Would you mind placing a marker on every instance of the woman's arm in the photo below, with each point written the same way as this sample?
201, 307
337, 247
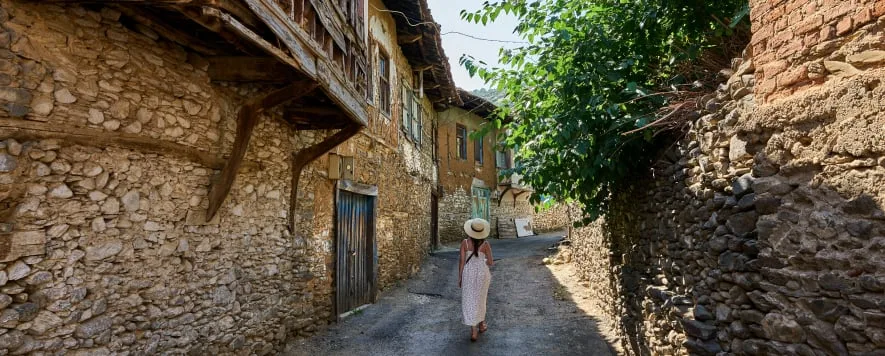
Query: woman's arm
489, 260
460, 263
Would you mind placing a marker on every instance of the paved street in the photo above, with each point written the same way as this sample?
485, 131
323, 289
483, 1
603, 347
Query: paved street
422, 316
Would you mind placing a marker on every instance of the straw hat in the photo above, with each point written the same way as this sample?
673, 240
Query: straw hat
477, 228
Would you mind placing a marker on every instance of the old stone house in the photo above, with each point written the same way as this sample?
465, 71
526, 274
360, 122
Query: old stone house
164, 178
470, 173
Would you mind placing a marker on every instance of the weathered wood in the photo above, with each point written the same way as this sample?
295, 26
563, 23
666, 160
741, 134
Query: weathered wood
237, 9
408, 38
247, 117
150, 2
303, 157
319, 110
237, 27
205, 16
170, 33
331, 23
249, 69
312, 58
31, 130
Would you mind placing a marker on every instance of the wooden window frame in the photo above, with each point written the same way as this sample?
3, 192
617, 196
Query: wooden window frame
461, 142
506, 159
385, 91
477, 151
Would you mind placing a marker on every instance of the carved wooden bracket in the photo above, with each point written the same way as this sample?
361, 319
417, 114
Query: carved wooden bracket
246, 120
303, 157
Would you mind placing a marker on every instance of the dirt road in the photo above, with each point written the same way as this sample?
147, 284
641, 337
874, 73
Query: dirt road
422, 316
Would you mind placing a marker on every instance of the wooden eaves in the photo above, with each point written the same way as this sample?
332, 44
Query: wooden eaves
248, 33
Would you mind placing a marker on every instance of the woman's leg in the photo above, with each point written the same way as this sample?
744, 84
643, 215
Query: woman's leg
482, 326
473, 334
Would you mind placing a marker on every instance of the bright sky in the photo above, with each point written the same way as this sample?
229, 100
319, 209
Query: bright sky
448, 14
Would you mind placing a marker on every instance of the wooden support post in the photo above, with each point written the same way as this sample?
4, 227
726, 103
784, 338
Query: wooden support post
501, 197
303, 157
517, 196
407, 38
246, 120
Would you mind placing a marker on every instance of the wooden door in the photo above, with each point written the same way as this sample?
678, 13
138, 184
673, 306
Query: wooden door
356, 251
434, 222
480, 203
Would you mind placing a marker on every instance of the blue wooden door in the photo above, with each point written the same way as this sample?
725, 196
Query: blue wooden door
480, 203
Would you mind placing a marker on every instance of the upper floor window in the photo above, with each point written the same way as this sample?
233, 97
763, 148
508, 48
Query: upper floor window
383, 82
477, 150
412, 123
461, 141
502, 159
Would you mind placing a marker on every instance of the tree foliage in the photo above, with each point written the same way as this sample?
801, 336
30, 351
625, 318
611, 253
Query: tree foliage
593, 72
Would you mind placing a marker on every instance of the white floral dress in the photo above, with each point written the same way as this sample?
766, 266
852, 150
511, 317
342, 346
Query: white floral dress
475, 281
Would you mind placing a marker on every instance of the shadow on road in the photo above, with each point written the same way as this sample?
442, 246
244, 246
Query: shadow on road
528, 314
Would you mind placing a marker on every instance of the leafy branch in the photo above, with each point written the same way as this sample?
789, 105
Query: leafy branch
598, 80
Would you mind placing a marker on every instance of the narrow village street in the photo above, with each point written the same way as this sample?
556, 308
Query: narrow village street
422, 316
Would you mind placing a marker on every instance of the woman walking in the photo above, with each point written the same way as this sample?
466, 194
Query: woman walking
474, 275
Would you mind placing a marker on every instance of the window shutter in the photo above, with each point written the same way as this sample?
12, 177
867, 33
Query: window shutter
370, 75
404, 101
416, 115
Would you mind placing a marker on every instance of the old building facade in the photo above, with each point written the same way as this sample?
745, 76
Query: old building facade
470, 169
164, 182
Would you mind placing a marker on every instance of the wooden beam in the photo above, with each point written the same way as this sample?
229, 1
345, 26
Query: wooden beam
315, 63
240, 29
246, 120
407, 38
501, 197
166, 31
303, 157
214, 24
517, 196
318, 110
149, 2
31, 130
420, 67
249, 69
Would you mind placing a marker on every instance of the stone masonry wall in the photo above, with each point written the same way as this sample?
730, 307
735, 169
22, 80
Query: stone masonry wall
505, 211
554, 218
110, 250
761, 232
454, 210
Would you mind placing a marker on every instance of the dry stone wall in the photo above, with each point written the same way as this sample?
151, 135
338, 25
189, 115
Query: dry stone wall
109, 250
555, 218
454, 210
760, 233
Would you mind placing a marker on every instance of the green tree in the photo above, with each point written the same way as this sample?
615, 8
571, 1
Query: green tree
584, 98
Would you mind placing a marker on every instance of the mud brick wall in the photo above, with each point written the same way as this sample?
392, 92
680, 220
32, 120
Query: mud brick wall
761, 231
109, 250
794, 41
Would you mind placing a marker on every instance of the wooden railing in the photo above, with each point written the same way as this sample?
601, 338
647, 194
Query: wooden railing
337, 28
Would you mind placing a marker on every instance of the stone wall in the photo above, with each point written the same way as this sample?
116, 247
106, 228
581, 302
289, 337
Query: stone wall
505, 210
555, 218
110, 250
454, 210
760, 232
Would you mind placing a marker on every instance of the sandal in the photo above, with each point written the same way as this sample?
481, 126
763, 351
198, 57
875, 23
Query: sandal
473, 335
483, 328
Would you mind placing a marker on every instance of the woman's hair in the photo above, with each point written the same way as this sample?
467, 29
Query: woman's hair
476, 244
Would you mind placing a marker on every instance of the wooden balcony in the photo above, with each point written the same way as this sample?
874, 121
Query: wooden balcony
308, 56
272, 41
